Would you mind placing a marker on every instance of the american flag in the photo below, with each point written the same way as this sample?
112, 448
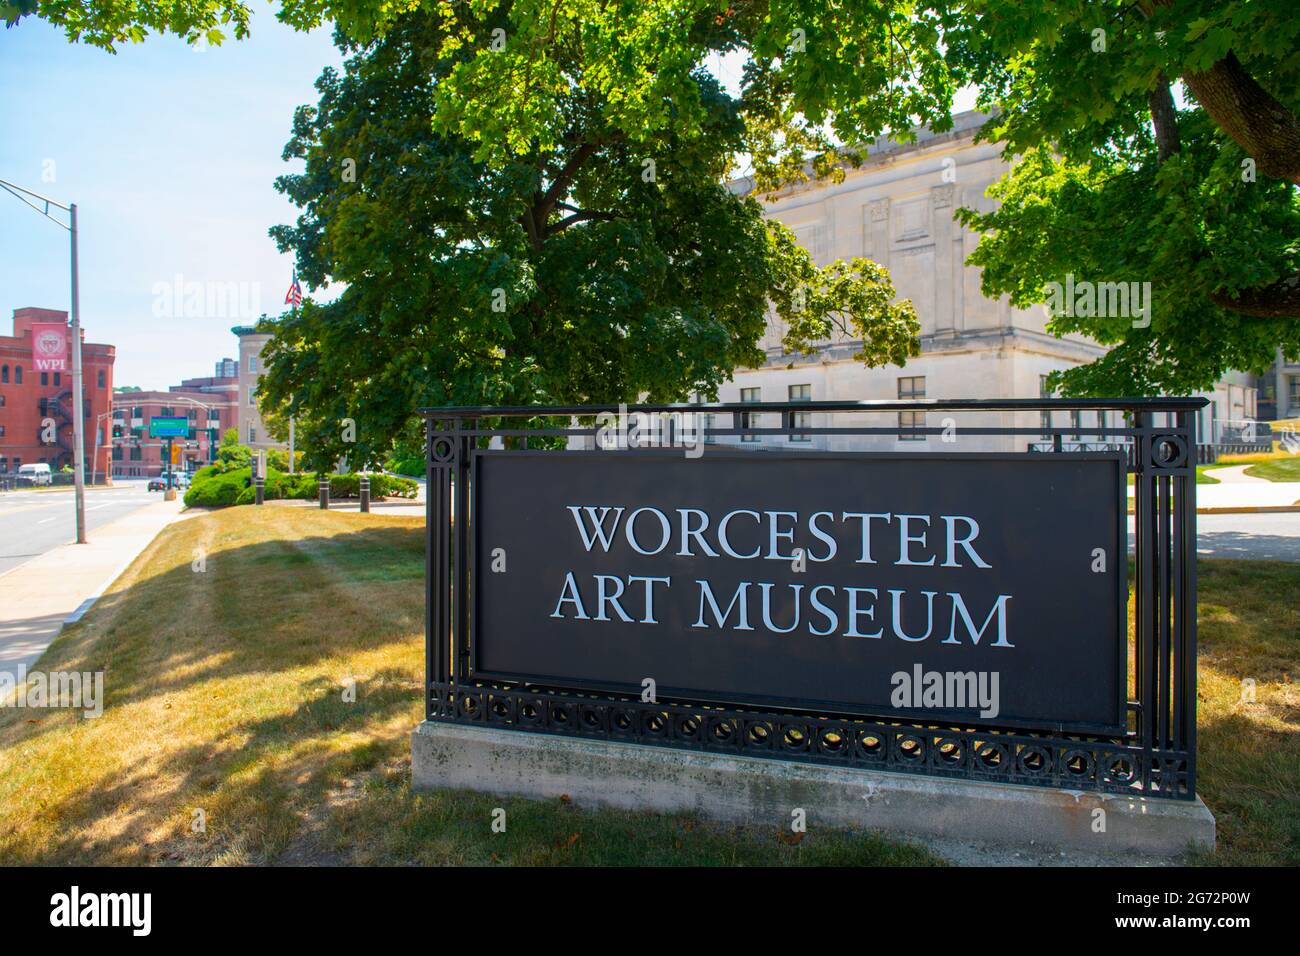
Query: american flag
294, 295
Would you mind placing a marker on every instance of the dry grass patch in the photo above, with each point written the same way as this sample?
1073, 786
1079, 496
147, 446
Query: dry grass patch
224, 693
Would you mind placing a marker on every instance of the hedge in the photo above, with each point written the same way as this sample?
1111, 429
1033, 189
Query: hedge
222, 489
407, 466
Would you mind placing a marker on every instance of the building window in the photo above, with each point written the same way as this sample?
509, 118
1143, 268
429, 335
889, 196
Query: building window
799, 420
4, 374
252, 433
1076, 424
2, 431
252, 395
252, 363
117, 452
749, 419
100, 378
1294, 391
45, 378
704, 423
135, 453
57, 379
18, 374
911, 386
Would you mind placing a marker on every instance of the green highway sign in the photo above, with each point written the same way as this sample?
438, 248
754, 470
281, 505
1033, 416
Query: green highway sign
170, 427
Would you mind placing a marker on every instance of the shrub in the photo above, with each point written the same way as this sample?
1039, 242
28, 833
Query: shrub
407, 466
391, 486
212, 488
217, 491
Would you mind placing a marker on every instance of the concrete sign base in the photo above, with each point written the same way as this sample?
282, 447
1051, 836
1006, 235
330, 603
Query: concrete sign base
751, 790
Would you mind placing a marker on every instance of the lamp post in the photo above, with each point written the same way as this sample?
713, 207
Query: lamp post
78, 413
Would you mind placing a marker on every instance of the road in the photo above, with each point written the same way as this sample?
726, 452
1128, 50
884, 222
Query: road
33, 522
1257, 536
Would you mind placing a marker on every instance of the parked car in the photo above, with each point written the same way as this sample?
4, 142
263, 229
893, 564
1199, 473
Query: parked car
157, 484
35, 474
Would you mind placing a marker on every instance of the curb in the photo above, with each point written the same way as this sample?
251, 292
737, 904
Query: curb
1244, 510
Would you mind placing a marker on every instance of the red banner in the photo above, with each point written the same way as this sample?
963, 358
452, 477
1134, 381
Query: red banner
50, 346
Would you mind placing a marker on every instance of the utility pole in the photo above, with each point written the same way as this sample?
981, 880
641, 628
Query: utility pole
79, 409
42, 205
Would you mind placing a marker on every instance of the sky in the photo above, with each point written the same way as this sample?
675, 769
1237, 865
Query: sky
170, 154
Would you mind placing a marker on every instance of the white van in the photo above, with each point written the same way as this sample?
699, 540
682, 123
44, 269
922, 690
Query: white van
38, 474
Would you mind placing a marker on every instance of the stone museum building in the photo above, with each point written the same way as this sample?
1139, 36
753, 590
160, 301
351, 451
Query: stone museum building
897, 209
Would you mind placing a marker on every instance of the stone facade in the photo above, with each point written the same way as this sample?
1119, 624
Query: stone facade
897, 209
252, 431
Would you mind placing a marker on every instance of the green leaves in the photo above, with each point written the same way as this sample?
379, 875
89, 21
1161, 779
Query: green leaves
613, 265
107, 23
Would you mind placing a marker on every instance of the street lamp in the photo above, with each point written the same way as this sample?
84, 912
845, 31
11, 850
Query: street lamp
78, 413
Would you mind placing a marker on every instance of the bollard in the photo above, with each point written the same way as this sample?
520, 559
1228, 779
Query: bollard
325, 492
259, 489
365, 493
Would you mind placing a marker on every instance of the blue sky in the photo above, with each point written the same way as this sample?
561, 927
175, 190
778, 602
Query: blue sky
170, 155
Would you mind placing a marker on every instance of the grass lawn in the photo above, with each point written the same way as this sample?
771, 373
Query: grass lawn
1278, 469
225, 694
1203, 476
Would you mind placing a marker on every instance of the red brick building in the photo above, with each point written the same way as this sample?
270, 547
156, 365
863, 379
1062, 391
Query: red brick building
28, 398
209, 403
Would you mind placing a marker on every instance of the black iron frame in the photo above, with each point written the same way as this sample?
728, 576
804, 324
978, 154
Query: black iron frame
1155, 756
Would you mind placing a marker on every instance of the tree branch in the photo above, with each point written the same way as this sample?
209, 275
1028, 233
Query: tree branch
583, 216
1253, 117
1281, 300
560, 185
1262, 126
1164, 118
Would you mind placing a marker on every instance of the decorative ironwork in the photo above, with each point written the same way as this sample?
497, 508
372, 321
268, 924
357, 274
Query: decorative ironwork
1155, 757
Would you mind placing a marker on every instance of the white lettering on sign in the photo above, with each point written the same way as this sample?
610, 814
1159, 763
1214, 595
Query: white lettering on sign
822, 610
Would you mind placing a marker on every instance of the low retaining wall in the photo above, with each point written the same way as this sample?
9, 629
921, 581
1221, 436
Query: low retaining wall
752, 790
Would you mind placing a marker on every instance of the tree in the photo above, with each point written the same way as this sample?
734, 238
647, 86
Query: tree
231, 454
1118, 183
598, 268
1091, 86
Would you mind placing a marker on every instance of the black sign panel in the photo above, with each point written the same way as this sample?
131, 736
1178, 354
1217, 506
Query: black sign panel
981, 588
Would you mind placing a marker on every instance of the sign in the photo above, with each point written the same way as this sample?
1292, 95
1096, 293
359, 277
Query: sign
853, 584
169, 427
50, 346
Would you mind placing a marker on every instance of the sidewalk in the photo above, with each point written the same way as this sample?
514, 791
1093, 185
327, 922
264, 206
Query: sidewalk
38, 597
1243, 494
